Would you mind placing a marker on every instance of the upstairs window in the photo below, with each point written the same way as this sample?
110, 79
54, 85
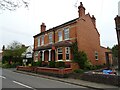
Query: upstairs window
38, 41
60, 36
42, 40
66, 33
50, 38
96, 55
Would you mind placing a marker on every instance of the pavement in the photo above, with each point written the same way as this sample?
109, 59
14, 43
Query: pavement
79, 82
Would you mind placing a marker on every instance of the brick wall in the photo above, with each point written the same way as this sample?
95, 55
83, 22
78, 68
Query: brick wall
49, 71
102, 78
103, 57
88, 38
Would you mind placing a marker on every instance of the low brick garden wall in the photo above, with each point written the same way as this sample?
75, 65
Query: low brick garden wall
102, 78
45, 70
25, 68
67, 72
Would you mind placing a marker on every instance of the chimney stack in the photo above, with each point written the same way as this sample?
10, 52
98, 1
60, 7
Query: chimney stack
94, 20
43, 27
81, 10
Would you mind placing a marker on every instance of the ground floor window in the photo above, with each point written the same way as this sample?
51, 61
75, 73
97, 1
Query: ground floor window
40, 55
67, 52
60, 54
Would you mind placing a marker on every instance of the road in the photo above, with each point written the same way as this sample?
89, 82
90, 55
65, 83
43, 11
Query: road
12, 79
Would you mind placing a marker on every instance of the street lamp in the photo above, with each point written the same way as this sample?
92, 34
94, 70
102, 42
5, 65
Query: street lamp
117, 22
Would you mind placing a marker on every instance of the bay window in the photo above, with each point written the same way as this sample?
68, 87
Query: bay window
60, 54
67, 52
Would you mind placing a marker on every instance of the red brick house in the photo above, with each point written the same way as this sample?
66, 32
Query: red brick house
55, 44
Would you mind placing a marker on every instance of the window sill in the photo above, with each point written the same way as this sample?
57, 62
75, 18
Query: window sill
50, 43
68, 60
59, 60
67, 39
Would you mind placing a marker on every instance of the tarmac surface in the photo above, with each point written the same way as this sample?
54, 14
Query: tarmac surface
79, 82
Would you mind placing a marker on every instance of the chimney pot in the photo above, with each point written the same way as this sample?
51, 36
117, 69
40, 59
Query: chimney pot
81, 3
94, 20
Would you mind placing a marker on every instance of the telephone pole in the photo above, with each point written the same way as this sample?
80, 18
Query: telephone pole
117, 22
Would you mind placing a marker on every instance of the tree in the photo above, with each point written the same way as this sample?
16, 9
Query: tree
115, 51
79, 57
13, 52
14, 45
13, 4
115, 54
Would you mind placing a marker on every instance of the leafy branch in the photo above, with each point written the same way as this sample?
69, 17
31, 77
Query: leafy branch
12, 5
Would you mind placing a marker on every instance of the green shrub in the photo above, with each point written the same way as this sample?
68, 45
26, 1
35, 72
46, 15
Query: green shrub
6, 65
79, 71
98, 66
33, 63
39, 63
13, 65
45, 64
60, 64
94, 67
90, 67
79, 57
88, 63
52, 64
67, 65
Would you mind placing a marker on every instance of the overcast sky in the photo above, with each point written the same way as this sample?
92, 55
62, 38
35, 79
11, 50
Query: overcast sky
21, 25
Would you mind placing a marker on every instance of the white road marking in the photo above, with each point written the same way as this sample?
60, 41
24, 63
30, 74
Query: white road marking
23, 85
3, 77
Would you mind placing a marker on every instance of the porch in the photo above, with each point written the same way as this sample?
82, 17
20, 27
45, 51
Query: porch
59, 51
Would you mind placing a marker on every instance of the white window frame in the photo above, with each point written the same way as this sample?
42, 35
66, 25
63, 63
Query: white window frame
66, 33
60, 53
67, 53
59, 35
38, 41
42, 40
50, 38
96, 55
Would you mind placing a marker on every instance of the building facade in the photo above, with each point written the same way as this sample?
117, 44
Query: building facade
55, 44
